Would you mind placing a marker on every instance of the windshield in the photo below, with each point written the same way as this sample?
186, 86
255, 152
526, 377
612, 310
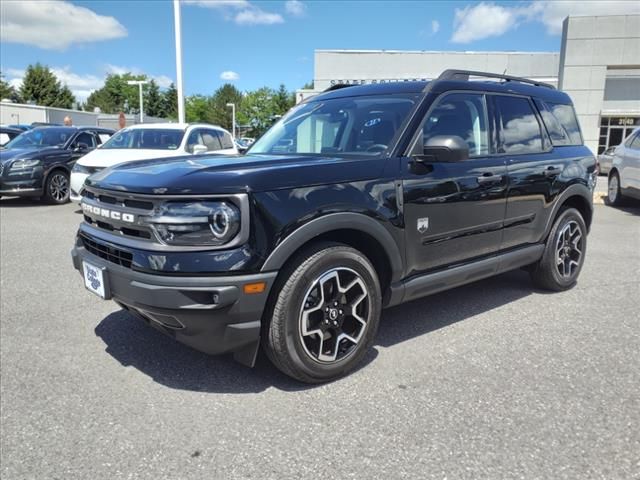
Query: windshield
40, 138
151, 138
354, 125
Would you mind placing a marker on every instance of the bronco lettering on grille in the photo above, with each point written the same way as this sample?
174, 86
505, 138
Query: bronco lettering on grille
113, 214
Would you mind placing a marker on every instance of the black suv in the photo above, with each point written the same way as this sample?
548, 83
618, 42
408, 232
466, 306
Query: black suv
38, 162
358, 199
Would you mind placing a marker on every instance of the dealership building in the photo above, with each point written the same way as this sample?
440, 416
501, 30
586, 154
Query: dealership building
598, 65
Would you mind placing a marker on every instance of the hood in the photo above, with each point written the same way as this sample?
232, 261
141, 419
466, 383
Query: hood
18, 153
210, 174
112, 156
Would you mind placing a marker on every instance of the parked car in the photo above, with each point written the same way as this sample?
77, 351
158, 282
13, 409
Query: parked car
38, 162
152, 140
624, 176
21, 126
605, 160
7, 134
358, 199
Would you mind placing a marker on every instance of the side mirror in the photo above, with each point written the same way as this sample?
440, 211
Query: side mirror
443, 148
81, 147
199, 149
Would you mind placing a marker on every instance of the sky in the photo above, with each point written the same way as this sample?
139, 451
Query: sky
261, 43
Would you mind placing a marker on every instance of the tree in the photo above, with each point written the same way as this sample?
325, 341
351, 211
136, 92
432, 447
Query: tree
169, 103
153, 100
308, 86
220, 113
116, 95
197, 109
7, 91
41, 86
258, 110
283, 100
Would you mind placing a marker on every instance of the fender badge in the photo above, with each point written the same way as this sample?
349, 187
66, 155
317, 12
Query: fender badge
423, 224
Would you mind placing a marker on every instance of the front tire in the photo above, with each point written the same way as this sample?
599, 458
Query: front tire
564, 253
614, 192
56, 188
324, 317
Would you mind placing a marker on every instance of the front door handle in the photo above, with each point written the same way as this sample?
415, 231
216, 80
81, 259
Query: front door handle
489, 178
551, 171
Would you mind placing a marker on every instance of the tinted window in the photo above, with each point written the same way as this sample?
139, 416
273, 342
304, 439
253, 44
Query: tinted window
557, 133
462, 115
86, 138
225, 139
151, 138
520, 130
341, 126
211, 140
567, 118
42, 137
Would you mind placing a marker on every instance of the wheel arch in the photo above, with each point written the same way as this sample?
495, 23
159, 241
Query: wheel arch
576, 196
356, 230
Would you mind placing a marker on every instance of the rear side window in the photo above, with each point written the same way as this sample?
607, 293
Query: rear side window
567, 118
635, 143
225, 139
211, 140
557, 133
519, 126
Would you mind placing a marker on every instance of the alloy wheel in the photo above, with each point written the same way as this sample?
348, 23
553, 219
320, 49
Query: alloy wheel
569, 247
613, 188
59, 187
334, 315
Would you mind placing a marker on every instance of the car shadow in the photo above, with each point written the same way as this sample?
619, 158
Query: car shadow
21, 202
631, 206
133, 344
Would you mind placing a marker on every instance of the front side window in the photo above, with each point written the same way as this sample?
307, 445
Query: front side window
225, 139
635, 143
461, 115
145, 138
363, 126
519, 126
211, 140
86, 138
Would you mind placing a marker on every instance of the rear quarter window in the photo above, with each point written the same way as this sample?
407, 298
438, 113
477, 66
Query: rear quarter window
566, 116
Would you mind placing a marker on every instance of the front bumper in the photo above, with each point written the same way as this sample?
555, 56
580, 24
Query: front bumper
24, 184
210, 314
77, 182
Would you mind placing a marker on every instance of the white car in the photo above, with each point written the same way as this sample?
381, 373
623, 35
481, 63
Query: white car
624, 177
146, 141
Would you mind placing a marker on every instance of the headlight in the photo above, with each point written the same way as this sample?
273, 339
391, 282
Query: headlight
202, 223
24, 164
77, 168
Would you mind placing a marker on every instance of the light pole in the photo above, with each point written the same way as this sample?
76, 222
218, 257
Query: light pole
178, 31
140, 83
233, 119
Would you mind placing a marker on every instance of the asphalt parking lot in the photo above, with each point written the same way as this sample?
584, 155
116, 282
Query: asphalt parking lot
491, 380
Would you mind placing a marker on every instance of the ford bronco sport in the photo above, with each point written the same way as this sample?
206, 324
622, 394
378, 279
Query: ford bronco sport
358, 199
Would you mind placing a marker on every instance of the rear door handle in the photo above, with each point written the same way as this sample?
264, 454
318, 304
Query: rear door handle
551, 171
489, 178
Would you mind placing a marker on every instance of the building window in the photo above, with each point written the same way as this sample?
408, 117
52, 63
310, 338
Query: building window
613, 131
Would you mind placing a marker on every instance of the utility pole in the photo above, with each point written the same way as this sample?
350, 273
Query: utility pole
179, 86
233, 119
140, 83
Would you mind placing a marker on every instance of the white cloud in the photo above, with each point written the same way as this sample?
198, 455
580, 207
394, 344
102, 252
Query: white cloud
55, 24
229, 76
487, 19
241, 12
295, 8
162, 80
435, 26
482, 21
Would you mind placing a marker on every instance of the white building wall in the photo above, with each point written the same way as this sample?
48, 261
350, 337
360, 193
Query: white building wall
592, 46
13, 113
369, 66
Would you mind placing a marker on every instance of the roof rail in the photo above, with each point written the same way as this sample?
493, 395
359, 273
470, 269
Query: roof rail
464, 75
337, 86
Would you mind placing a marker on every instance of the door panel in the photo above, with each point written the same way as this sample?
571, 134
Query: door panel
452, 214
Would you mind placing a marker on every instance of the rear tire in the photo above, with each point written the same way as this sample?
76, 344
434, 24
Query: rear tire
614, 192
564, 253
56, 188
324, 315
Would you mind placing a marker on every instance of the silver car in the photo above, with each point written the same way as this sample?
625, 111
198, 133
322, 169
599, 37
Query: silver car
605, 160
624, 176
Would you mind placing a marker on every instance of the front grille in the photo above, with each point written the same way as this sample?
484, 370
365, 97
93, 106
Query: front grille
1, 168
110, 254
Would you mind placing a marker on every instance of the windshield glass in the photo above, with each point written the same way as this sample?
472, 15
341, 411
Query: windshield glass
354, 125
40, 138
151, 138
